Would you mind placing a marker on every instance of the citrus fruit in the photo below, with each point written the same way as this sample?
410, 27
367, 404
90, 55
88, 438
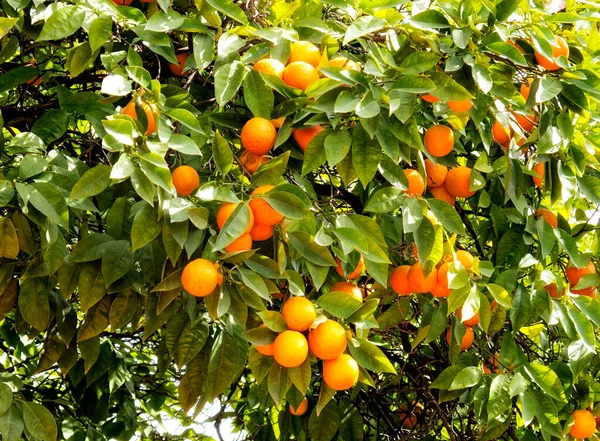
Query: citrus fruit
328, 340
442, 194
199, 277
553, 290
417, 280
129, 110
408, 418
442, 274
440, 291
354, 274
290, 349
501, 134
300, 75
548, 215
561, 47
399, 280
306, 52
584, 424
261, 232
465, 258
436, 173
540, 169
242, 243
185, 180
525, 89
349, 288
299, 313
301, 409
462, 106
467, 339
344, 63
473, 321
574, 274
258, 136
439, 140
225, 211
430, 98
263, 213
340, 373
278, 122
458, 182
122, 2
177, 69
304, 136
416, 184
251, 162
265, 349
526, 122
269, 66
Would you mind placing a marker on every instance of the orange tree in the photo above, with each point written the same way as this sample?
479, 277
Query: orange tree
344, 220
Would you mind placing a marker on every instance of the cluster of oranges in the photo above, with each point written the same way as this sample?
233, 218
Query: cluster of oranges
447, 185
575, 274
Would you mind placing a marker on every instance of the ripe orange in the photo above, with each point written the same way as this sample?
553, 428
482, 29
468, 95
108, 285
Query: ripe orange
262, 232
328, 340
251, 162
442, 275
340, 373
299, 313
430, 98
436, 173
473, 321
540, 169
525, 89
501, 134
278, 122
265, 349
439, 140
129, 110
440, 291
304, 136
399, 280
185, 180
553, 290
263, 213
458, 182
122, 2
417, 280
416, 184
302, 408
269, 66
548, 215
177, 69
410, 421
300, 75
349, 288
199, 277
584, 424
526, 122
460, 106
344, 63
442, 194
306, 52
574, 274
560, 48
354, 274
225, 211
258, 136
242, 243
467, 340
290, 349
465, 258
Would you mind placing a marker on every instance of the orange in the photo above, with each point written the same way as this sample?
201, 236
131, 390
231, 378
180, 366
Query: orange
340, 373
269, 66
258, 136
302, 408
300, 75
409, 421
442, 194
553, 290
290, 349
584, 424
501, 134
306, 52
416, 184
560, 48
129, 110
242, 243
417, 280
251, 162
185, 180
574, 274
465, 258
354, 274
277, 123
540, 169
225, 211
344, 63
399, 280
261, 232
349, 288
299, 313
440, 291
467, 340
525, 89
265, 349
439, 140
122, 2
430, 98
35, 81
199, 277
548, 215
304, 136
177, 69
436, 173
526, 122
263, 213
442, 275
328, 340
473, 321
458, 182
460, 106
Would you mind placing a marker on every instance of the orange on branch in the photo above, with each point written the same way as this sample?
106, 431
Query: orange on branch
199, 277
260, 232
430, 98
584, 424
525, 89
552, 290
467, 340
269, 66
185, 180
416, 184
472, 321
420, 283
251, 162
462, 106
344, 63
328, 340
349, 288
258, 136
242, 243
442, 194
306, 52
263, 213
540, 169
458, 182
304, 136
465, 258
290, 349
440, 291
526, 122
354, 274
225, 211
129, 110
399, 280
340, 373
548, 215
177, 69
439, 140
409, 421
301, 409
299, 313
300, 75
436, 173
265, 349
501, 134
561, 47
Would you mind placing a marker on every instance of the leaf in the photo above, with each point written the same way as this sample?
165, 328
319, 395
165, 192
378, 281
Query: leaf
568, 244
590, 186
122, 309
254, 282
385, 200
234, 227
226, 358
116, 261
91, 286
145, 228
100, 31
11, 424
9, 241
366, 154
6, 397
191, 341
547, 380
228, 79
156, 169
419, 62
203, 50
258, 96
590, 307
305, 244
430, 19
447, 89
509, 51
39, 422
447, 216
339, 304
33, 303
230, 9
62, 23
370, 356
499, 401
362, 26
414, 84
6, 24
93, 182
287, 204
337, 145
96, 320
323, 426
457, 377
300, 376
222, 154
48, 199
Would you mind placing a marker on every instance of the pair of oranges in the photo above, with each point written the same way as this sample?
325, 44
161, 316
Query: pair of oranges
447, 185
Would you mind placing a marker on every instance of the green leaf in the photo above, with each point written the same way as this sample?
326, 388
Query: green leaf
48, 199
63, 22
91, 286
230, 9
203, 50
568, 244
39, 422
414, 84
225, 363
11, 424
6, 397
100, 31
92, 182
122, 309
191, 341
287, 204
370, 356
186, 118
79, 58
447, 216
339, 304
547, 380
254, 282
509, 51
222, 153
9, 241
228, 79
385, 200
258, 96
51, 125
337, 145
32, 165
499, 401
457, 377
314, 156
447, 89
362, 26
590, 187
34, 303
419, 62
145, 228
6, 24
234, 227
273, 320
116, 261
430, 19
590, 307
366, 154
584, 328
156, 170
96, 320
301, 376
305, 244
323, 426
